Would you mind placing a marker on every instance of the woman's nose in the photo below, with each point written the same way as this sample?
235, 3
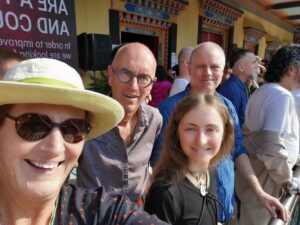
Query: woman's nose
53, 143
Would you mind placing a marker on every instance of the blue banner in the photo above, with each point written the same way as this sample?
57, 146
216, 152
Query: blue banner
217, 17
146, 11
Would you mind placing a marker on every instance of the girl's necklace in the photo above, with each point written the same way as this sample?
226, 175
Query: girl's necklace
203, 181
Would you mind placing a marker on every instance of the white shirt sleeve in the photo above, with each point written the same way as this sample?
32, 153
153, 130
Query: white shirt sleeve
276, 111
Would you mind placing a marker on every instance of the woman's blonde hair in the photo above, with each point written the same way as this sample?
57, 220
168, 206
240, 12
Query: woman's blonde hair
173, 163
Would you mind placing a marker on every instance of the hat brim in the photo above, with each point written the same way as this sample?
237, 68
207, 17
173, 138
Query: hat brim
105, 112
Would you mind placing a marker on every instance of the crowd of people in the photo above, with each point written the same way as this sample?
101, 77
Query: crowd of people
214, 151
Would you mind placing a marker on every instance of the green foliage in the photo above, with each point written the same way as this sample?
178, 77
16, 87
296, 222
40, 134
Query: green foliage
100, 83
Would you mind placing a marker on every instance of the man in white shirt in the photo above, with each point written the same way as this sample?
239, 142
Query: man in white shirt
296, 95
271, 133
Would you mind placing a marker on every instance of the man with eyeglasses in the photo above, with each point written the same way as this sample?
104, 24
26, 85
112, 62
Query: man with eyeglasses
119, 159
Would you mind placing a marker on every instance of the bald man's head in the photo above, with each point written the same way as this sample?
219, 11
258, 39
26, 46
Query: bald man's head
209, 46
134, 49
185, 54
133, 65
183, 62
206, 67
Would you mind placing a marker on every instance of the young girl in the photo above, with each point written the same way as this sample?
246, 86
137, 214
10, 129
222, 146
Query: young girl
200, 132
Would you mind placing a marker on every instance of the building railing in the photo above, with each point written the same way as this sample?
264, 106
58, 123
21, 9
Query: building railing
291, 203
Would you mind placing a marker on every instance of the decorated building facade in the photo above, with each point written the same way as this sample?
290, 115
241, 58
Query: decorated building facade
166, 26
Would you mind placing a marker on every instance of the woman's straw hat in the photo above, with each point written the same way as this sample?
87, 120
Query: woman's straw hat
50, 81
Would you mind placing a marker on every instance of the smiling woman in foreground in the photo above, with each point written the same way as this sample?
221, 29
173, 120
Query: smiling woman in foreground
45, 117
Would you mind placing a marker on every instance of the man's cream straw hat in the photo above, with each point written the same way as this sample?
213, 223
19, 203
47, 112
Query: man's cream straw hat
50, 81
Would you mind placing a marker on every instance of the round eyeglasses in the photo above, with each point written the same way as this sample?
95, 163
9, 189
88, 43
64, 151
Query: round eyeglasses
125, 76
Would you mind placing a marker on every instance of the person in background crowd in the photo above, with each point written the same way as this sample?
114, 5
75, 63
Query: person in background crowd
183, 77
296, 95
45, 117
271, 133
253, 84
226, 74
265, 63
8, 60
262, 70
119, 159
175, 70
199, 133
161, 87
244, 67
172, 73
261, 66
206, 70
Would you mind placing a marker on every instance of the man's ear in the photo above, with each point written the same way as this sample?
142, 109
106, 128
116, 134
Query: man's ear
291, 72
186, 63
241, 66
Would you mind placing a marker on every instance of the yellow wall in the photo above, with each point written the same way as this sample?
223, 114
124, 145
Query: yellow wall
187, 25
238, 36
92, 16
270, 28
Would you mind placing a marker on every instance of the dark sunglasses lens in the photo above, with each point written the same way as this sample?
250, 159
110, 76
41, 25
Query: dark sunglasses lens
75, 130
33, 127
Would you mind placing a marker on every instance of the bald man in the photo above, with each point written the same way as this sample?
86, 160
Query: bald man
183, 77
119, 159
206, 67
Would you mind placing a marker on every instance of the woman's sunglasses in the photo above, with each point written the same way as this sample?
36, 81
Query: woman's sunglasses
34, 127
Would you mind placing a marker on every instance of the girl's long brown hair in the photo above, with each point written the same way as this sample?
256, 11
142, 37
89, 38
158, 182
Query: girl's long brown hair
173, 163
